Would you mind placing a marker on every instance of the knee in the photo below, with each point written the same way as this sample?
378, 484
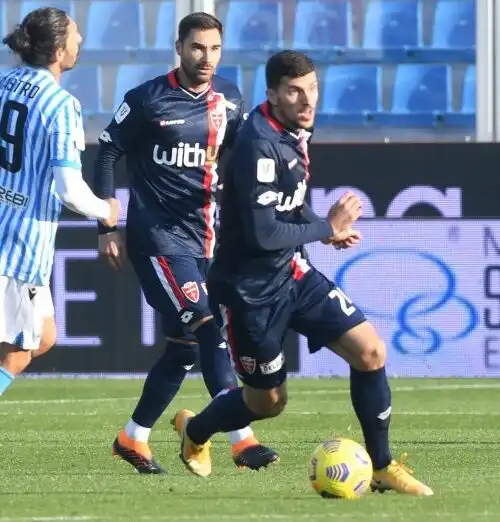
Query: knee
182, 353
48, 340
372, 355
266, 403
13, 359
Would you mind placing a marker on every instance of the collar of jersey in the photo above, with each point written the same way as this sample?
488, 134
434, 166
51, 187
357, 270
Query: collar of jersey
279, 127
174, 82
40, 70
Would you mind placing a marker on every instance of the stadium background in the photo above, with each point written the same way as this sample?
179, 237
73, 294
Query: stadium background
397, 121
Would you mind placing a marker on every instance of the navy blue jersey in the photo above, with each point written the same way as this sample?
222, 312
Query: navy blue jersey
264, 220
172, 139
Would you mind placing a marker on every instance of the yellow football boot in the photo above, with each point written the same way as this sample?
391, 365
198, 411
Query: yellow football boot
196, 457
398, 477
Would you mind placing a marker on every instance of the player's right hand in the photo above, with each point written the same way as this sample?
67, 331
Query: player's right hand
343, 214
114, 214
353, 239
111, 246
346, 239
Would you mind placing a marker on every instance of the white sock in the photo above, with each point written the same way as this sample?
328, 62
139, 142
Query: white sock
239, 435
136, 432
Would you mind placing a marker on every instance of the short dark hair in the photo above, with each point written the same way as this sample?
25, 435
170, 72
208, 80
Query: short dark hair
37, 38
198, 21
292, 64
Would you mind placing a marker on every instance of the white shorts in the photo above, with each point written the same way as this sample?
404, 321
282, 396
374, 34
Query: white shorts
23, 308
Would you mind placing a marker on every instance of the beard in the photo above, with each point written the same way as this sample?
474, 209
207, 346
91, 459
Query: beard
195, 76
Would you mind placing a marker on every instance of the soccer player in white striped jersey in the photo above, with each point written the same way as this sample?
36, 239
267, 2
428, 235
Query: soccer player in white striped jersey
41, 138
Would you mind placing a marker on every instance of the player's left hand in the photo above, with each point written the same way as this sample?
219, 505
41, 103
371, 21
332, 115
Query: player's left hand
111, 246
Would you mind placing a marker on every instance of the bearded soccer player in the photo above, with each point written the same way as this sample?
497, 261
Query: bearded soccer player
262, 279
172, 130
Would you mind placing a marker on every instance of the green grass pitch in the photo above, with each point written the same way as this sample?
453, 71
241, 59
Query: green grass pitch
56, 465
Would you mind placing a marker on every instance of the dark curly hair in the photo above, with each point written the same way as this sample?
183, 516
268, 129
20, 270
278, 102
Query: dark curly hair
292, 64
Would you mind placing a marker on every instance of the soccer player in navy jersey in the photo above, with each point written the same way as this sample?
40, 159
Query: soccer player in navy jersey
263, 281
172, 130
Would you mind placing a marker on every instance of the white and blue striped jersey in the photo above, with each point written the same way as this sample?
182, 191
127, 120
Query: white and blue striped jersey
40, 128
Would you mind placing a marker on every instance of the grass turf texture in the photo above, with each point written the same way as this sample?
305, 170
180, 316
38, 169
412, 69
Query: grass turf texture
56, 435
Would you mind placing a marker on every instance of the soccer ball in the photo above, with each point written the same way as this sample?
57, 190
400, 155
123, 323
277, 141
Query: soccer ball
340, 468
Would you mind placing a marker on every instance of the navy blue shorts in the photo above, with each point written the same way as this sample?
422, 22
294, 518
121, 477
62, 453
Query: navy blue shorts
175, 287
315, 308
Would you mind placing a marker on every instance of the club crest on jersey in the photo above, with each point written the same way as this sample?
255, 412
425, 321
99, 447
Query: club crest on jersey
249, 364
217, 118
191, 291
217, 115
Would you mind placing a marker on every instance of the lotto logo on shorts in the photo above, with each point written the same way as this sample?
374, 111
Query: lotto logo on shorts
191, 291
187, 316
273, 366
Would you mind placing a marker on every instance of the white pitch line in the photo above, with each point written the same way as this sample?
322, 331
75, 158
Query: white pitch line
148, 518
64, 413
52, 519
287, 412
242, 517
67, 401
336, 391
414, 413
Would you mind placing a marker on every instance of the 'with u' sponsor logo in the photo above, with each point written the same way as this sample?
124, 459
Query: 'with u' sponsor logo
186, 155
